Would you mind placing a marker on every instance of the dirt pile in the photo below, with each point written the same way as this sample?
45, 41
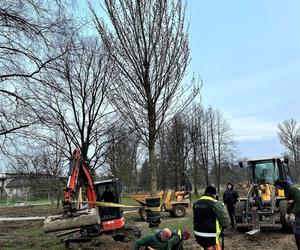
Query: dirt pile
105, 242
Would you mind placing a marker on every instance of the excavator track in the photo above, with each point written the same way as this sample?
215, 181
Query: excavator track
126, 234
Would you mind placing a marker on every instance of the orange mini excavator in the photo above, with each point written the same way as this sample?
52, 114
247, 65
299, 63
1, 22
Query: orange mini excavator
94, 218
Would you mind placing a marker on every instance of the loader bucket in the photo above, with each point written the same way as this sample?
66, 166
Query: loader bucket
82, 218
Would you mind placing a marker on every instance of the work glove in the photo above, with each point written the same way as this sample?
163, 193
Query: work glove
186, 235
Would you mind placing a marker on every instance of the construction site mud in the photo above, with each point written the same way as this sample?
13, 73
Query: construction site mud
30, 235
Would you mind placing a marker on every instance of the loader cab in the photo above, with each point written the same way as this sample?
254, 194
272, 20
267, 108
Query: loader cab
108, 191
266, 171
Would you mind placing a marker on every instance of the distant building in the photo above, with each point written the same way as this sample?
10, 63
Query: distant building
29, 186
5, 178
3, 182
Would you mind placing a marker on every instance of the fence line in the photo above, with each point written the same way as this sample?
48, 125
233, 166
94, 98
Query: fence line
29, 197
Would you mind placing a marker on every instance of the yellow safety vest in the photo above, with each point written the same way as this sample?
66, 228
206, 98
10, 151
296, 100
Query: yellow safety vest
218, 228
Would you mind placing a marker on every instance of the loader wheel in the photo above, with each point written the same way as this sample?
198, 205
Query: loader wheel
179, 211
287, 226
240, 207
142, 213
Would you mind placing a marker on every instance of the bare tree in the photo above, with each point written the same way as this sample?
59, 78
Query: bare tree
28, 31
204, 134
73, 98
122, 156
194, 135
213, 148
221, 143
36, 150
41, 163
149, 45
163, 164
177, 150
144, 181
289, 134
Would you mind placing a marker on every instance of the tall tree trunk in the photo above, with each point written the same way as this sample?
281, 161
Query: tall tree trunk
152, 166
152, 139
195, 172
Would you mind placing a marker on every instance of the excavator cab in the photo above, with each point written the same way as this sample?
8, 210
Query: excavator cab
264, 204
109, 191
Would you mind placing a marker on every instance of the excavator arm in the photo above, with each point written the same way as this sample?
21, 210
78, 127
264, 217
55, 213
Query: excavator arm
85, 223
78, 175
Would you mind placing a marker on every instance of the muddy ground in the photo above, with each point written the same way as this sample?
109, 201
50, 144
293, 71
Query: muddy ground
30, 235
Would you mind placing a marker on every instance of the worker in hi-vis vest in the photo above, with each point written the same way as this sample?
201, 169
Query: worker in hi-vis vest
210, 217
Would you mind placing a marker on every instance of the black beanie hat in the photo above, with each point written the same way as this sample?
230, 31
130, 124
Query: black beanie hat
210, 190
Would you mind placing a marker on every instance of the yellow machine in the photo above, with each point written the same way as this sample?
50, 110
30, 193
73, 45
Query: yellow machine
264, 205
175, 204
177, 207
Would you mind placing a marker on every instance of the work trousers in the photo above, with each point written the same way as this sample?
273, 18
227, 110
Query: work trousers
231, 212
208, 243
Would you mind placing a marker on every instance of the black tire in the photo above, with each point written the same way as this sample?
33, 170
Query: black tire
179, 211
153, 215
287, 226
153, 218
240, 208
142, 213
171, 213
152, 202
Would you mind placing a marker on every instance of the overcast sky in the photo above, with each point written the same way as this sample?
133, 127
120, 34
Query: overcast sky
248, 54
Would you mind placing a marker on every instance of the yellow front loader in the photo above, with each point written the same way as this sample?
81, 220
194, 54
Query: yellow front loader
264, 206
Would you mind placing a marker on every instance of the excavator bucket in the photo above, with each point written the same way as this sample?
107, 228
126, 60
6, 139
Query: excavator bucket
86, 217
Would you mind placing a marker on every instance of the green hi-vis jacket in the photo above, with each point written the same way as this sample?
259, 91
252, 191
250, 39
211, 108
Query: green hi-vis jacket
210, 217
293, 193
153, 240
